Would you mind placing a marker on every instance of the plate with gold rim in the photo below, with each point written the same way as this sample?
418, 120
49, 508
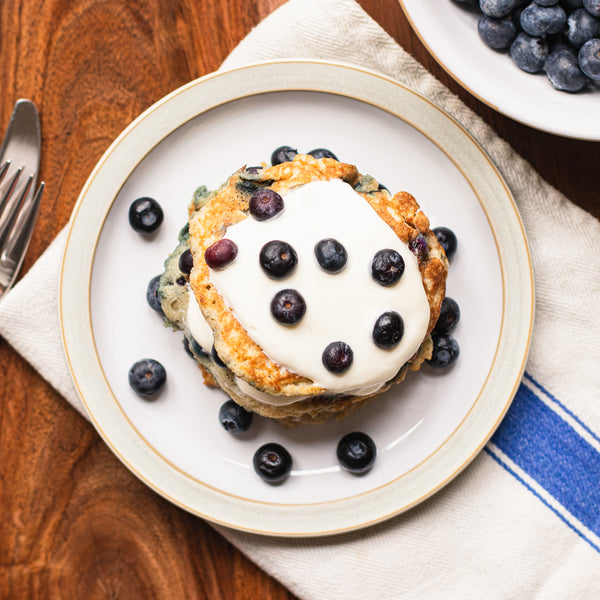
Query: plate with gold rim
427, 429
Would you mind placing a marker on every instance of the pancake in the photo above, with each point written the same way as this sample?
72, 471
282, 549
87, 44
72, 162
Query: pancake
275, 368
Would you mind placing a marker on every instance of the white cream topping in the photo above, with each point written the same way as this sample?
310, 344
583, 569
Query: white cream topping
197, 324
267, 398
285, 400
340, 307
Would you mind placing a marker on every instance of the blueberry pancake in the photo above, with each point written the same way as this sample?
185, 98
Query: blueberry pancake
305, 289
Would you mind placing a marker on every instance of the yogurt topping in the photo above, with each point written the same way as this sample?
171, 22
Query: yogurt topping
340, 307
197, 324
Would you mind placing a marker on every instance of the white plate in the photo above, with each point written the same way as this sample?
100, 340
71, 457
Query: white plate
426, 430
450, 34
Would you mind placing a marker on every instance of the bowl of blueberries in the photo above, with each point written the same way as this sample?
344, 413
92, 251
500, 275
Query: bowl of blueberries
536, 61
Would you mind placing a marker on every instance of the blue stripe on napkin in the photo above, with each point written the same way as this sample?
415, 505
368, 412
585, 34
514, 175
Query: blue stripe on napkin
552, 453
539, 497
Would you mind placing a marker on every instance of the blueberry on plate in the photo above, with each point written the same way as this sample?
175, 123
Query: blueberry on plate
322, 153
387, 267
445, 350
388, 330
581, 27
221, 253
288, 307
283, 154
589, 59
563, 71
145, 215
147, 377
529, 53
272, 462
235, 418
265, 204
356, 452
152, 296
331, 255
186, 261
496, 33
449, 316
337, 357
447, 239
278, 259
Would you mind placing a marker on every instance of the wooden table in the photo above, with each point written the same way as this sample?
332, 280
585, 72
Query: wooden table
75, 523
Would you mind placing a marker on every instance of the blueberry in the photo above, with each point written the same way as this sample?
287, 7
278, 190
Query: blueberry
539, 21
471, 4
272, 462
589, 59
186, 261
322, 153
147, 377
515, 15
388, 330
447, 239
496, 8
546, 2
283, 154
562, 69
356, 452
217, 359
592, 6
221, 253
265, 204
288, 307
278, 259
145, 215
581, 27
193, 348
331, 255
235, 418
152, 296
529, 53
419, 247
449, 316
181, 281
445, 350
387, 267
337, 357
497, 33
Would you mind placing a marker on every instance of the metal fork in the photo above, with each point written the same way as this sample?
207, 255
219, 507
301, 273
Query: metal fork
19, 200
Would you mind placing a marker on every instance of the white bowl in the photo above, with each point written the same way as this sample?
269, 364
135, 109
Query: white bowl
450, 34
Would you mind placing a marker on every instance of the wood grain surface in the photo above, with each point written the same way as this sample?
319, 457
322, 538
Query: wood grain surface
75, 523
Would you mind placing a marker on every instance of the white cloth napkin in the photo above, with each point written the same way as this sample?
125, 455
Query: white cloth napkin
523, 520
